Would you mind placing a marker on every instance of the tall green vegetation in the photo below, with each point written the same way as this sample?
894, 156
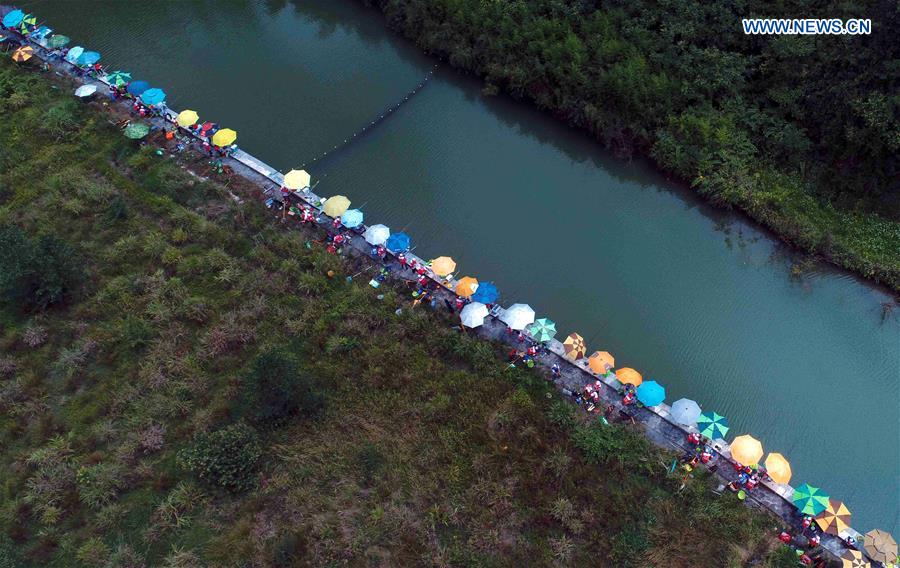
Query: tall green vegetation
36, 273
801, 132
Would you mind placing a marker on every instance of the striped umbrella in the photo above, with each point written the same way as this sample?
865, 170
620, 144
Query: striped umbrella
881, 546
651, 393
574, 346
601, 361
118, 78
23, 54
854, 559
58, 40
810, 500
542, 330
628, 376
835, 518
29, 21
712, 425
466, 286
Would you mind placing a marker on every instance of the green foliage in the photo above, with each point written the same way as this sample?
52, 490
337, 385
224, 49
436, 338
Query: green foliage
36, 274
370, 460
605, 444
227, 458
277, 388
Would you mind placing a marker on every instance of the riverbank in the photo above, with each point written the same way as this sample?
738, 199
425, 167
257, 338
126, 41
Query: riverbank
839, 204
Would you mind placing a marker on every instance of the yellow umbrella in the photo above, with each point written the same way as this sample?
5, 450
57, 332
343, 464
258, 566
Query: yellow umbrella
187, 118
854, 559
574, 346
224, 137
881, 546
746, 450
443, 265
335, 206
778, 467
628, 376
296, 179
835, 518
466, 286
23, 54
601, 361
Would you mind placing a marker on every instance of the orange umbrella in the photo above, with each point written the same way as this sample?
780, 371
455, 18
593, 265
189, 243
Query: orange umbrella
574, 346
23, 54
835, 518
628, 376
466, 286
601, 362
443, 265
746, 450
778, 467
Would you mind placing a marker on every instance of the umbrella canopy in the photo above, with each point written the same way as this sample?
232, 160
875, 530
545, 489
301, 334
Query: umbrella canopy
472, 315
153, 96
137, 88
187, 118
443, 265
58, 40
74, 53
685, 411
136, 131
854, 559
779, 468
712, 425
296, 179
486, 293
118, 78
377, 235
40, 33
398, 242
809, 500
835, 518
466, 286
601, 362
352, 218
85, 90
88, 58
518, 316
542, 330
746, 450
574, 346
651, 393
881, 546
226, 137
23, 54
13, 19
28, 22
334, 206
628, 376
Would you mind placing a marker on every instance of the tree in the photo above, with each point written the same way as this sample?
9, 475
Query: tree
227, 458
36, 274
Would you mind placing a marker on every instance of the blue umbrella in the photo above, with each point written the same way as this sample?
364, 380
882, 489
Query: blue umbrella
398, 242
651, 393
74, 53
41, 33
88, 58
153, 96
486, 293
352, 218
136, 88
13, 19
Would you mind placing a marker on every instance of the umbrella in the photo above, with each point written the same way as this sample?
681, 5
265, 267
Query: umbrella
486, 293
74, 53
23, 54
747, 450
28, 22
443, 265
187, 118
13, 19
88, 58
85, 91
296, 179
118, 78
542, 330
153, 96
398, 242
334, 206
574, 346
40, 33
881, 546
472, 315
466, 286
628, 376
779, 468
651, 393
517, 316
137, 88
352, 218
712, 425
853, 559
601, 362
136, 131
226, 137
376, 235
808, 499
685, 411
835, 518
58, 40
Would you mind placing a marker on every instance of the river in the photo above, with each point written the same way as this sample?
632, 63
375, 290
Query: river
697, 298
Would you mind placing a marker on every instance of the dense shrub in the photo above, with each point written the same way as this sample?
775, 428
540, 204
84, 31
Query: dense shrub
226, 458
276, 388
35, 274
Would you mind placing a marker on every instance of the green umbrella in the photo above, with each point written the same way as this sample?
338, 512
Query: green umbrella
58, 40
712, 425
542, 330
136, 131
810, 500
119, 78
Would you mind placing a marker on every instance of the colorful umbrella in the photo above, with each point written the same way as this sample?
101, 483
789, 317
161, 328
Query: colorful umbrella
712, 425
466, 286
746, 450
398, 242
58, 40
153, 96
136, 131
443, 265
835, 518
137, 88
542, 330
334, 206
881, 546
779, 468
74, 53
40, 33
376, 235
628, 376
85, 91
118, 78
187, 118
296, 179
651, 393
574, 346
854, 559
518, 316
29, 21
227, 136
13, 19
352, 218
23, 54
486, 293
472, 315
601, 361
808, 499
685, 411
88, 58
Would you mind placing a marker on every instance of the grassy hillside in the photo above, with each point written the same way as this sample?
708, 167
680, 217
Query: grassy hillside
182, 384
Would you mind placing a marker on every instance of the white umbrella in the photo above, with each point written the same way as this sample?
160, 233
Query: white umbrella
472, 315
517, 316
377, 235
85, 90
685, 411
